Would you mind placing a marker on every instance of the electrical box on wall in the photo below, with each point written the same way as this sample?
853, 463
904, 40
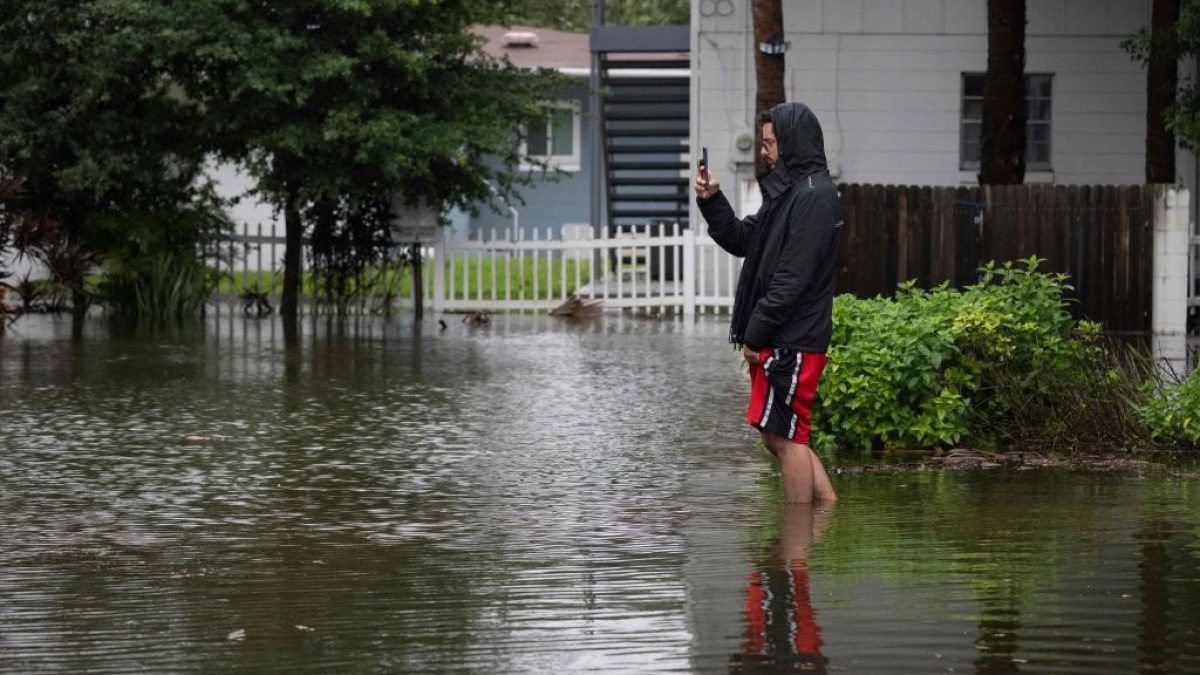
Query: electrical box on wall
744, 142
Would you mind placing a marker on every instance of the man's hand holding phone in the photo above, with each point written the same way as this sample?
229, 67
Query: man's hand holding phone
706, 184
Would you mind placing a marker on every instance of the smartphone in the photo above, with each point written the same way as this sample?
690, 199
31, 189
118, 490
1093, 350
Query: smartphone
704, 163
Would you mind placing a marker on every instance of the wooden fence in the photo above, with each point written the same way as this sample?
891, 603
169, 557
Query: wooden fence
1100, 236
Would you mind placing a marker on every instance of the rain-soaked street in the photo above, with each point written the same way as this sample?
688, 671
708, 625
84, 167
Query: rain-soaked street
527, 496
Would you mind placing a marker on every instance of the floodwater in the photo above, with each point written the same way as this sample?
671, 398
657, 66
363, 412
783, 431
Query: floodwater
373, 495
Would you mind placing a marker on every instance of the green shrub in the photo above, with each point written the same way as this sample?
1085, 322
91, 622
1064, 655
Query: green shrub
1172, 412
998, 363
894, 374
153, 265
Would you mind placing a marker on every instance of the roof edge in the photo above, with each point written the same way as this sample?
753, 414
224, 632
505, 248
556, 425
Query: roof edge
610, 39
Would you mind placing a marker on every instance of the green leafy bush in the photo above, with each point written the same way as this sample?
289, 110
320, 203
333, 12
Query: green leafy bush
153, 265
997, 363
1172, 412
893, 375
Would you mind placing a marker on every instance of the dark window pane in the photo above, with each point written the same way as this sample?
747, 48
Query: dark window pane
1038, 107
1037, 155
564, 132
970, 152
973, 86
1038, 86
536, 143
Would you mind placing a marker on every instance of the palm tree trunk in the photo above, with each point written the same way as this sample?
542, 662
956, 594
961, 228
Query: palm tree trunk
1004, 109
1162, 78
768, 68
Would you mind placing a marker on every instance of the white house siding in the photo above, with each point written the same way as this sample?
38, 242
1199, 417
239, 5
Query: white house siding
249, 213
1099, 121
884, 77
233, 183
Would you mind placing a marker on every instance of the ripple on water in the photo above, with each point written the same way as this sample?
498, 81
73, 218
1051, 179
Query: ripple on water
530, 497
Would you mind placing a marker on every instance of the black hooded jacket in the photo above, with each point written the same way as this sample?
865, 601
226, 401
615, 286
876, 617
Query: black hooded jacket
786, 287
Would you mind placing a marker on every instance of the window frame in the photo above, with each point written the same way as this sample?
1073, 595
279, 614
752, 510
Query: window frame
1032, 96
563, 162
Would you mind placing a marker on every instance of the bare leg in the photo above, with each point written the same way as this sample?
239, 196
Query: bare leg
796, 465
797, 469
822, 489
804, 476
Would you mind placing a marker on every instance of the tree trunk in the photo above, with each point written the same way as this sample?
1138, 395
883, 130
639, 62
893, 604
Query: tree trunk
1162, 78
1004, 110
293, 253
768, 68
418, 289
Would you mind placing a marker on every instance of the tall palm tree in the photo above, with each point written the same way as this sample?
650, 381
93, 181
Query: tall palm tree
1162, 78
768, 68
1004, 113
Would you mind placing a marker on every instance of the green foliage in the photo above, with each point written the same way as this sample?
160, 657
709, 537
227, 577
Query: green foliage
154, 265
89, 119
1180, 42
997, 363
1172, 412
110, 107
30, 231
348, 242
92, 126
894, 374
345, 105
322, 99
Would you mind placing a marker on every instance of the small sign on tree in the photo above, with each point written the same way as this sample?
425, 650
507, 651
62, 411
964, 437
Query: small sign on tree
414, 224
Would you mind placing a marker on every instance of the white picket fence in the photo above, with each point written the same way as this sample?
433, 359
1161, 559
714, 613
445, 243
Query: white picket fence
659, 269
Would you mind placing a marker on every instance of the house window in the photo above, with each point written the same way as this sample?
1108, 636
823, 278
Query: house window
1037, 125
556, 142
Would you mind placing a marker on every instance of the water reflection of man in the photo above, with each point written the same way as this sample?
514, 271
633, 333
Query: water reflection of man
781, 633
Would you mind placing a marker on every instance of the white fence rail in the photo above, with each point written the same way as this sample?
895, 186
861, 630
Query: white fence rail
659, 268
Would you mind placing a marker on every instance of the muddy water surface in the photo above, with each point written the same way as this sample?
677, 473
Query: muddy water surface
528, 496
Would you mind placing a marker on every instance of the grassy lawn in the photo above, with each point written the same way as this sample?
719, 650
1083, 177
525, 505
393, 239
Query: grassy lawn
485, 278
514, 278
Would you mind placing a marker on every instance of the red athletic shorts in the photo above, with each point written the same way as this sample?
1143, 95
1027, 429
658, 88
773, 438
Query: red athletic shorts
782, 390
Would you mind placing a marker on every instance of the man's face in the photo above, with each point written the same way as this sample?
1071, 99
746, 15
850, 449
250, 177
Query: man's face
770, 149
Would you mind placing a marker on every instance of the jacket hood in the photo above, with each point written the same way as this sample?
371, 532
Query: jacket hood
801, 143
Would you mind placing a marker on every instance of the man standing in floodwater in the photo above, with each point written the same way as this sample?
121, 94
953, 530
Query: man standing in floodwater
783, 307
